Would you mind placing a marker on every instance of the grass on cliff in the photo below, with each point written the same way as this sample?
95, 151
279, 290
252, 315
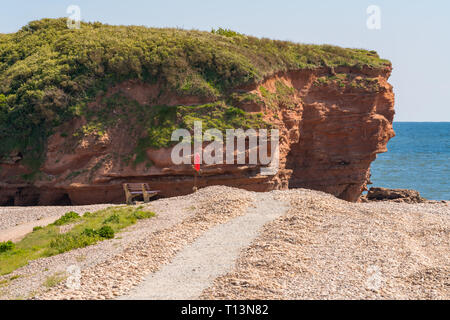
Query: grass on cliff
83, 231
157, 123
162, 121
47, 70
346, 80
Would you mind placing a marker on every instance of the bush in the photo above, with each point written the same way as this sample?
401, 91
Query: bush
6, 246
89, 232
114, 218
226, 32
37, 228
140, 214
67, 218
106, 232
67, 242
88, 214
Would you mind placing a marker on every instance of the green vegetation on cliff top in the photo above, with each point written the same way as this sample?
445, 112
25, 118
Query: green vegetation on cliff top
47, 70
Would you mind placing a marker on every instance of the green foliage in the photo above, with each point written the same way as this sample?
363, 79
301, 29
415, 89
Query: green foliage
48, 73
47, 241
245, 97
67, 242
106, 232
114, 218
282, 96
89, 232
226, 32
37, 228
69, 217
54, 280
161, 121
140, 214
6, 246
347, 81
322, 81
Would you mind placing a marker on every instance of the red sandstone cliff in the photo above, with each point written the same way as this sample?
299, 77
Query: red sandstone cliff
332, 124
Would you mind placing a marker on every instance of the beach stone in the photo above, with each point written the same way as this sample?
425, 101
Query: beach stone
397, 195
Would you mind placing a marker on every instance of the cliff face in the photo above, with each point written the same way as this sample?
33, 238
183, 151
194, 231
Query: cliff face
332, 121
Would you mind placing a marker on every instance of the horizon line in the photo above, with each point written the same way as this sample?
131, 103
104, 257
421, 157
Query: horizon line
429, 121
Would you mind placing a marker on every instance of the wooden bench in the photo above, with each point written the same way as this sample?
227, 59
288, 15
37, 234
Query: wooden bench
136, 189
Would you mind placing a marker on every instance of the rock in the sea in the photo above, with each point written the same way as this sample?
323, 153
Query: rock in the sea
396, 195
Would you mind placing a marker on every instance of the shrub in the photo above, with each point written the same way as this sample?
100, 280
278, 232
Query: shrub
6, 246
140, 214
87, 214
37, 228
89, 232
67, 242
114, 218
67, 218
226, 32
106, 232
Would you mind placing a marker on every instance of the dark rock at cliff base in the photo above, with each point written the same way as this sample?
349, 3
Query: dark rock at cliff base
396, 195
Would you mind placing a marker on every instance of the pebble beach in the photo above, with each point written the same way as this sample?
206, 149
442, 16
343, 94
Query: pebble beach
304, 245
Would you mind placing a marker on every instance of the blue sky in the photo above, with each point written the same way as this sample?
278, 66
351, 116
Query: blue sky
414, 35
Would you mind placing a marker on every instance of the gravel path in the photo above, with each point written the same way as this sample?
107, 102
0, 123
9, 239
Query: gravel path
210, 256
18, 232
151, 248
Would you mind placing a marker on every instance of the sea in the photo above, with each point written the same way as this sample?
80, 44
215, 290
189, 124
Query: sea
418, 158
